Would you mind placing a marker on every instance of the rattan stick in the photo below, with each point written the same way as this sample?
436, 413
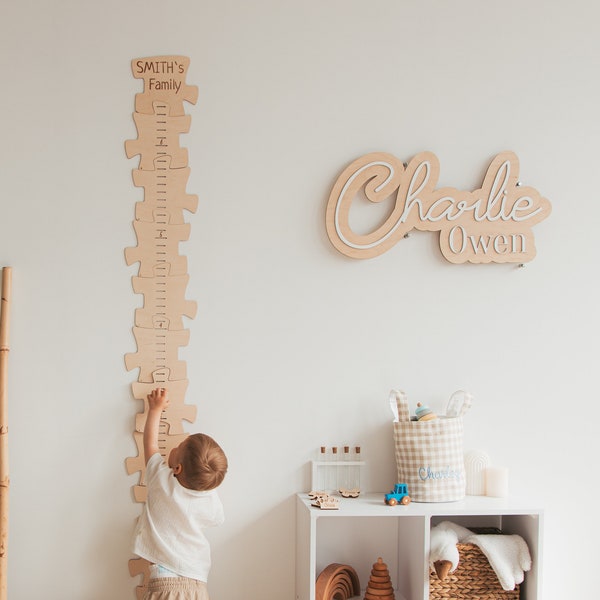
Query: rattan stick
5, 293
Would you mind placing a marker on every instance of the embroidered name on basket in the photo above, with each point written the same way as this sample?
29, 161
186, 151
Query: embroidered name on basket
426, 473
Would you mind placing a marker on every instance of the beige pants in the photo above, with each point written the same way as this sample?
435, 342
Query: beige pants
176, 588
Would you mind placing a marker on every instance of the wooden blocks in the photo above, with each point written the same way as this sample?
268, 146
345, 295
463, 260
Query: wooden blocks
337, 582
162, 275
380, 585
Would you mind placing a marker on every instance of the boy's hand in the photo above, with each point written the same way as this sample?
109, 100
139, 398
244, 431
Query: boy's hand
157, 402
158, 399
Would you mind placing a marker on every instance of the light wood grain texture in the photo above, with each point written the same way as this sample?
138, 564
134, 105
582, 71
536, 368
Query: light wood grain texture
162, 276
164, 80
490, 224
5, 304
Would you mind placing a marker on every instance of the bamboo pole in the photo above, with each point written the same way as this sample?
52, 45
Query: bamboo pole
5, 292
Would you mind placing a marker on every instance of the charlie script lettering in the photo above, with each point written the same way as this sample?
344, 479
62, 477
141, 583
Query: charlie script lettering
426, 473
490, 224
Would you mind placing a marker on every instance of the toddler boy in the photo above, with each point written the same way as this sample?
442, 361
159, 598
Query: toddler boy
182, 501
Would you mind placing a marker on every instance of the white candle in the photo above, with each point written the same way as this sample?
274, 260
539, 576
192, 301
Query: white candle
496, 482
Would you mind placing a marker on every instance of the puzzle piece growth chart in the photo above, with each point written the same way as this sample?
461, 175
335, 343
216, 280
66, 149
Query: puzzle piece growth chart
162, 276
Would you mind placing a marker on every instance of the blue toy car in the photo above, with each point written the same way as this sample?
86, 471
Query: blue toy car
399, 495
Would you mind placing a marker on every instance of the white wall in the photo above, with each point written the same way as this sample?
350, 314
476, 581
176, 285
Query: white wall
294, 345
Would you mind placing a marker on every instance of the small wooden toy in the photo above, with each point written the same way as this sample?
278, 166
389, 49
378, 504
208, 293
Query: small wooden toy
424, 413
324, 501
442, 568
346, 493
380, 584
399, 495
317, 494
337, 582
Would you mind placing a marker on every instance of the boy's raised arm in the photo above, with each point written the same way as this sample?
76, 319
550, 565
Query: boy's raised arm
157, 402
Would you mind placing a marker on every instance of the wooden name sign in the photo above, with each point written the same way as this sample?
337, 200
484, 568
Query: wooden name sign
490, 224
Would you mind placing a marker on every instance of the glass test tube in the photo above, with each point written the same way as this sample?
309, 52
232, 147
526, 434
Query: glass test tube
333, 473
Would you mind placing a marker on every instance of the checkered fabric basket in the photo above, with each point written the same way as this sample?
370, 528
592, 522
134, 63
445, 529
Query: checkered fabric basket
429, 454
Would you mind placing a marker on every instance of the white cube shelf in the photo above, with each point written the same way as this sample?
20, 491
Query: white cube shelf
365, 528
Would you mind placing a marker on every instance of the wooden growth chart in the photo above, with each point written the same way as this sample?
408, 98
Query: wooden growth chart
162, 276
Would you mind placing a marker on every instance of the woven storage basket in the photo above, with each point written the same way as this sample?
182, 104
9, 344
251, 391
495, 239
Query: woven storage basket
473, 579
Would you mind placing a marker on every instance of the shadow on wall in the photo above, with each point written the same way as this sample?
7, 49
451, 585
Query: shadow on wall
260, 560
380, 458
110, 577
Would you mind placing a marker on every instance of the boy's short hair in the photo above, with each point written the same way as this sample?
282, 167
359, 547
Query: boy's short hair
203, 462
